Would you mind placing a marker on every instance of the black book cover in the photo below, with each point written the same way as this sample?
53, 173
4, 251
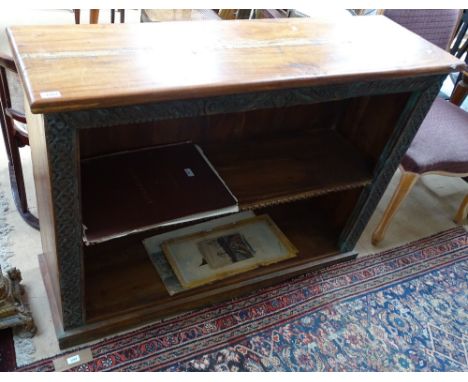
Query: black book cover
133, 191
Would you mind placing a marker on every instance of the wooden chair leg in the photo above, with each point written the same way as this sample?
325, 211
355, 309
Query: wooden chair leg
407, 181
17, 180
94, 16
15, 170
77, 15
462, 211
460, 91
18, 188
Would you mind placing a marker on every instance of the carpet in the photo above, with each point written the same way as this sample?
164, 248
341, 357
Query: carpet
7, 351
7, 346
23, 347
404, 309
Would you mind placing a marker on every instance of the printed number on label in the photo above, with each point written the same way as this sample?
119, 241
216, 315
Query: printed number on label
74, 359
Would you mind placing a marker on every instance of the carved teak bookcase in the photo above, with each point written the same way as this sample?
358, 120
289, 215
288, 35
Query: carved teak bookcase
305, 120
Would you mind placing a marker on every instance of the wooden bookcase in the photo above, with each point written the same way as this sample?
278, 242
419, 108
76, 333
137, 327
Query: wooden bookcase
305, 120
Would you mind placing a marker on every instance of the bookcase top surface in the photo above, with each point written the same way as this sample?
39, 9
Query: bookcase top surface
73, 67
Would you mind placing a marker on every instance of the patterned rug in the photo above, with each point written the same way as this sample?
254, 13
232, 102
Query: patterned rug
23, 347
7, 351
405, 309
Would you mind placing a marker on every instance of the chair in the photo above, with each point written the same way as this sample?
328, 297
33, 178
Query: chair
460, 48
459, 92
15, 134
94, 15
122, 15
441, 144
271, 13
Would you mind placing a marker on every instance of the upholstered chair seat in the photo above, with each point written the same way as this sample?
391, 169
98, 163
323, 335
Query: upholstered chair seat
441, 144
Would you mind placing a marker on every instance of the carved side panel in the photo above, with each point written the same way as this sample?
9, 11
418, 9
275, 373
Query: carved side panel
415, 111
62, 147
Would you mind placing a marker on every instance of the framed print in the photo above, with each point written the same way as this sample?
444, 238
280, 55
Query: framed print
204, 257
155, 252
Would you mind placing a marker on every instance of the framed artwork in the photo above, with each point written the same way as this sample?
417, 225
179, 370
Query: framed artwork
204, 257
155, 252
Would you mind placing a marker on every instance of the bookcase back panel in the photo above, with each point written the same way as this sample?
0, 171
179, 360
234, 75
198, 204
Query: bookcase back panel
219, 128
368, 122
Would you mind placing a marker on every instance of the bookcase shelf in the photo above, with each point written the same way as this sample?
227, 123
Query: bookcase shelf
121, 278
287, 167
259, 172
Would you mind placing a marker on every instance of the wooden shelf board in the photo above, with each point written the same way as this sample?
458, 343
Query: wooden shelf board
285, 168
121, 278
260, 172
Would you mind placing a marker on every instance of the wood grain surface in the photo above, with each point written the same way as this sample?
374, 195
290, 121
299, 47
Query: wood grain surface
76, 67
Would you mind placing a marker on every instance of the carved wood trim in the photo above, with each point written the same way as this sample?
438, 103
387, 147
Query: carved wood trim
235, 103
415, 111
63, 156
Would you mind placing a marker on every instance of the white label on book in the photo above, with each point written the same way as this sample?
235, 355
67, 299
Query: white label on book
52, 94
73, 359
189, 172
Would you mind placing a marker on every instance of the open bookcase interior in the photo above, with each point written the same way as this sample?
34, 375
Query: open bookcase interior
265, 157
120, 276
304, 166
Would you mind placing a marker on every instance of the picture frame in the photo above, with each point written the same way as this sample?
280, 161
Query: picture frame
153, 247
204, 257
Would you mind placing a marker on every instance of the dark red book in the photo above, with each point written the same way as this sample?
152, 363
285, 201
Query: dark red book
138, 190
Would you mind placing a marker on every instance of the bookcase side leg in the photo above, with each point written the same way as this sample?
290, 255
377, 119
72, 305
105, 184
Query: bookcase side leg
40, 164
411, 118
64, 172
